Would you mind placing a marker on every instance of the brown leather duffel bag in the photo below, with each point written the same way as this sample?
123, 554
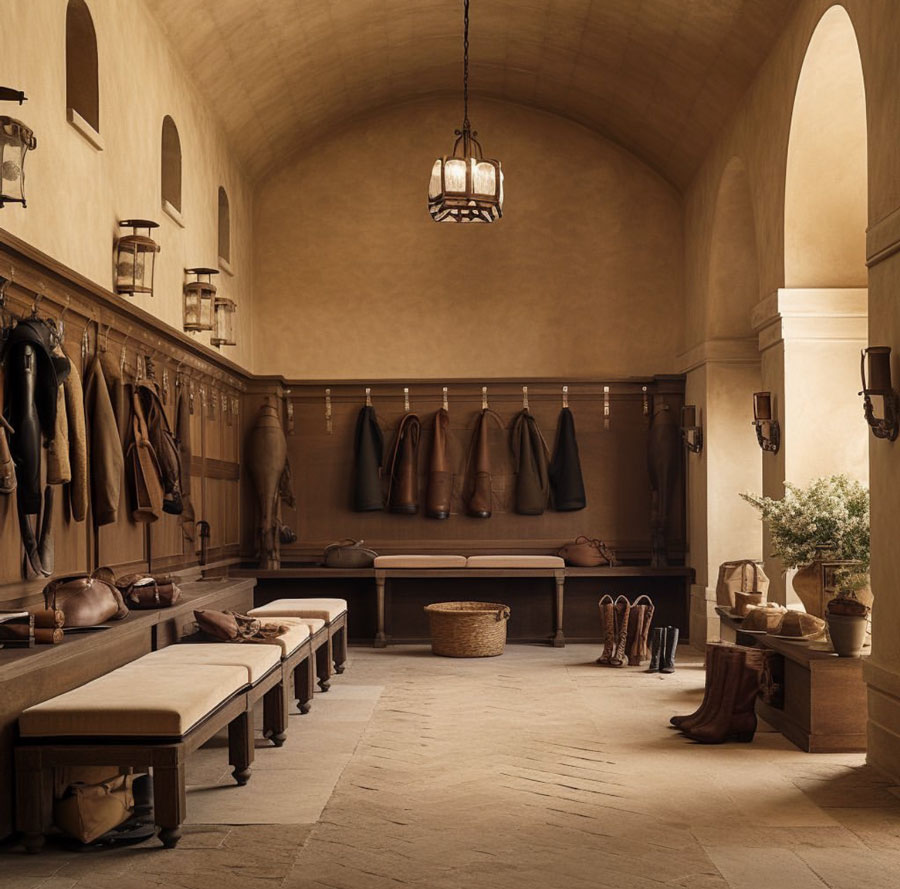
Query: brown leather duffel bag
147, 591
86, 599
587, 552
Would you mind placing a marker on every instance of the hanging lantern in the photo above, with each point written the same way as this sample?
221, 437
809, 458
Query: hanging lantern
198, 300
16, 140
466, 186
223, 322
136, 258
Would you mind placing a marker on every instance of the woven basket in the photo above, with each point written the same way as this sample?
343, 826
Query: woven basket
468, 629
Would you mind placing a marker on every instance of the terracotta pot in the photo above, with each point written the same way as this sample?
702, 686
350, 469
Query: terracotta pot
808, 586
847, 632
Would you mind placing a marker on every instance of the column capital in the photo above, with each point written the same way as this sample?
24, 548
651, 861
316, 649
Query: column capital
820, 313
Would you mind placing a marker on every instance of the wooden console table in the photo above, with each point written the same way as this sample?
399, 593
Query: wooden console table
822, 707
31, 675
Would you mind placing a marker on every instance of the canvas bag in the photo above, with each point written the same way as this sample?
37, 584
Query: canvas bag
741, 575
87, 811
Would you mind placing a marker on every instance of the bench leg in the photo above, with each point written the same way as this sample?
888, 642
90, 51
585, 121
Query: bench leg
276, 703
380, 638
304, 684
340, 647
559, 638
323, 665
34, 797
169, 805
240, 746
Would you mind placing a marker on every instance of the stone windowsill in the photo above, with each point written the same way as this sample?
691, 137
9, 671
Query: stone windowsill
173, 213
92, 137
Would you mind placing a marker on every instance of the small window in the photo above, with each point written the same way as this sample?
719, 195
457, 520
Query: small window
82, 90
224, 226
171, 165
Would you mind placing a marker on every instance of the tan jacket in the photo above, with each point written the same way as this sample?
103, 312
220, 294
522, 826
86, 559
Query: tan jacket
78, 487
104, 447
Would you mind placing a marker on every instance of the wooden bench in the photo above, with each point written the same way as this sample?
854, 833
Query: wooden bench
468, 568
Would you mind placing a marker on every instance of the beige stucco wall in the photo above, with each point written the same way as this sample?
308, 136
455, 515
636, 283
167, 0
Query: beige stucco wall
581, 276
68, 179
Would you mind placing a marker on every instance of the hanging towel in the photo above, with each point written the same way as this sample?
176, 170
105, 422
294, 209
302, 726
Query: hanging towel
565, 468
368, 457
531, 464
104, 447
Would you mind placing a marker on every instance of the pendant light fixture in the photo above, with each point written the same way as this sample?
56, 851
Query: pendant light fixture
466, 186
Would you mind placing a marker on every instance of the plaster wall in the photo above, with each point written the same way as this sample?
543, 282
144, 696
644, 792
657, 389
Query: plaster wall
582, 276
70, 181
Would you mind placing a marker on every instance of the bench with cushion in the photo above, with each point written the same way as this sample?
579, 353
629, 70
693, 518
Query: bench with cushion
425, 566
327, 621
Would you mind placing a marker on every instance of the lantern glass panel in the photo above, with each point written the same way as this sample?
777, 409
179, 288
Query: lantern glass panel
192, 302
455, 176
223, 322
485, 179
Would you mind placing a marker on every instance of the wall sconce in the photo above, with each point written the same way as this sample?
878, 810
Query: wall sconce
879, 384
198, 300
16, 140
691, 433
223, 322
136, 258
768, 431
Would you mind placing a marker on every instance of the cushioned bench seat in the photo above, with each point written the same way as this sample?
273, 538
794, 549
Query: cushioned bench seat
327, 622
420, 561
515, 562
256, 658
166, 701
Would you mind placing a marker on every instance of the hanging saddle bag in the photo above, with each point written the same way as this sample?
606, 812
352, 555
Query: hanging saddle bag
86, 599
142, 467
587, 552
349, 554
148, 591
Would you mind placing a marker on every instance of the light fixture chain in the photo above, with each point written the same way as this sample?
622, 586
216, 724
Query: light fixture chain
466, 69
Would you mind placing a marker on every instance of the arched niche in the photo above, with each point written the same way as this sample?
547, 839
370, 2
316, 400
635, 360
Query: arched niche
171, 164
82, 66
733, 282
826, 206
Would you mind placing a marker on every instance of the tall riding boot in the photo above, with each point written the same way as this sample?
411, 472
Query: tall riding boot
736, 716
657, 643
437, 500
713, 650
622, 612
608, 623
668, 659
480, 503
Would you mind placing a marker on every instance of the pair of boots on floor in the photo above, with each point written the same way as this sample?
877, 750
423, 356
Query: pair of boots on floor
734, 677
662, 650
626, 628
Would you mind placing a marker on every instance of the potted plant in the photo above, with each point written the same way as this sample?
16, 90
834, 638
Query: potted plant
822, 530
848, 617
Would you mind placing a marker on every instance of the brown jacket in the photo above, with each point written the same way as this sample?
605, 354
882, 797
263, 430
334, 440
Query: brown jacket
78, 487
104, 447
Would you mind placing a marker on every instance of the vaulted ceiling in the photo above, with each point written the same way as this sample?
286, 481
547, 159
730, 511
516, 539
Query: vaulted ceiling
660, 77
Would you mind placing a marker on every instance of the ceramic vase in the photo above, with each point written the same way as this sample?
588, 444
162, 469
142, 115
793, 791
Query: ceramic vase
847, 632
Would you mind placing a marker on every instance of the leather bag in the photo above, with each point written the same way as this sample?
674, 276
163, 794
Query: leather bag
531, 462
86, 599
349, 554
229, 626
148, 591
403, 484
142, 466
587, 552
740, 575
87, 811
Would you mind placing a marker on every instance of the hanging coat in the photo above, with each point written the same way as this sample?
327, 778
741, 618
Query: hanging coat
565, 468
78, 487
440, 478
119, 395
531, 465
403, 480
183, 441
59, 470
368, 456
479, 499
104, 447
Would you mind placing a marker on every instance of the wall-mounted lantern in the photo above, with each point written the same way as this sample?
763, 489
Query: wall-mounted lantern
198, 300
768, 430
136, 258
879, 384
691, 433
223, 322
16, 140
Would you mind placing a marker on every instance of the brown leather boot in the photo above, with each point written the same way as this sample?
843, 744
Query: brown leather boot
735, 717
713, 650
608, 629
622, 611
480, 501
403, 493
437, 500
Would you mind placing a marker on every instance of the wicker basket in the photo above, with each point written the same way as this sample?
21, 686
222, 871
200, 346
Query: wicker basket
468, 629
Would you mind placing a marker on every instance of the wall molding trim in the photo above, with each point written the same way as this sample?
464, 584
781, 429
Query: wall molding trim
742, 350
883, 239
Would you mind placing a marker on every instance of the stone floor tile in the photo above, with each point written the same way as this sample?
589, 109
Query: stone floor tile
772, 868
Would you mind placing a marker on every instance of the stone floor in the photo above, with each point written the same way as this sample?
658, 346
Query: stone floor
537, 769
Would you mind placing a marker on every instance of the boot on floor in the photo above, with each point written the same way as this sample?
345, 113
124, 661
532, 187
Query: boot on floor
621, 612
712, 654
657, 642
735, 716
608, 625
667, 665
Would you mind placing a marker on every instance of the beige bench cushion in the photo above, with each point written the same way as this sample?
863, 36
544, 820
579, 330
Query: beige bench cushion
257, 658
420, 561
298, 632
515, 562
136, 701
324, 609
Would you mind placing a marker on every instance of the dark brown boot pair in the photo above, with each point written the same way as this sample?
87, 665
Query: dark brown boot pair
734, 676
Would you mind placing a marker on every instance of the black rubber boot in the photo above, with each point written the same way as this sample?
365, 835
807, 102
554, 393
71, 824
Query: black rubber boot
657, 644
668, 656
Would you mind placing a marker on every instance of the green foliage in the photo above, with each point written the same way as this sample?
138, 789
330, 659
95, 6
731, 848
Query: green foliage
829, 518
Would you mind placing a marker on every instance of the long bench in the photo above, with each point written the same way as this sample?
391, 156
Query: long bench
149, 715
431, 566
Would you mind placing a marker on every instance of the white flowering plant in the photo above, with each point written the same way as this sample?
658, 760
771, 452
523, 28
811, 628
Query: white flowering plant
829, 518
